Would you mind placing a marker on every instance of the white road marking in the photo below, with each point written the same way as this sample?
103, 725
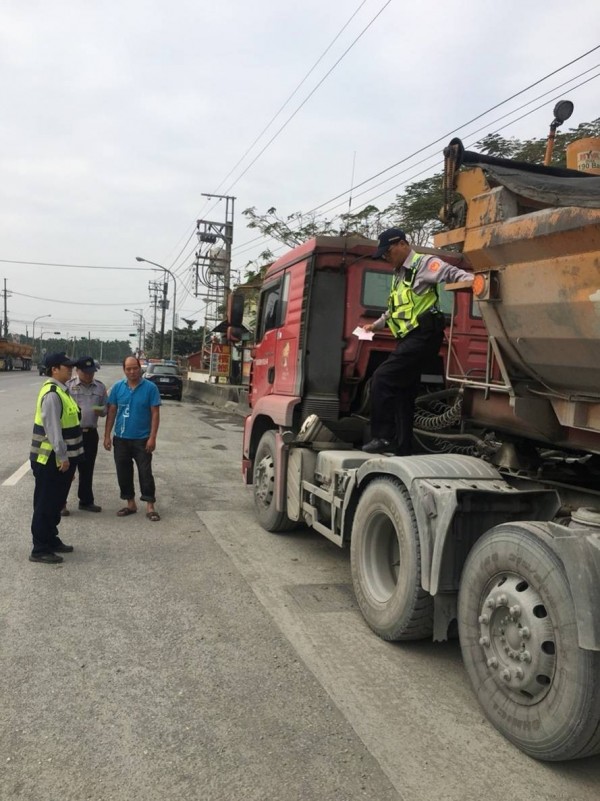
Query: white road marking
17, 475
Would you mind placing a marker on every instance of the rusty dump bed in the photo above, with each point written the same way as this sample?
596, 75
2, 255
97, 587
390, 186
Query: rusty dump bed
8, 348
538, 286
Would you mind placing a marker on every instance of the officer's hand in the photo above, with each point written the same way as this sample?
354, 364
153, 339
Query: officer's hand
368, 327
107, 443
64, 466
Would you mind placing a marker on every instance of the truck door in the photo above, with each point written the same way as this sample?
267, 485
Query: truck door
270, 313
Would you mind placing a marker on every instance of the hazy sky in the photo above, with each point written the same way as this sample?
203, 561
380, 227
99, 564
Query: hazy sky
117, 116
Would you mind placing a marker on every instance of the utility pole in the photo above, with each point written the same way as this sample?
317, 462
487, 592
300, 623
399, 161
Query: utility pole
154, 291
216, 266
164, 305
6, 294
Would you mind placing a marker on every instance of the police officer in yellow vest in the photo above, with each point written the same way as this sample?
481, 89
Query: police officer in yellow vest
56, 448
414, 318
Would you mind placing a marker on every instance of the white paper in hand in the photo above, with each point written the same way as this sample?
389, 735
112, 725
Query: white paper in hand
361, 333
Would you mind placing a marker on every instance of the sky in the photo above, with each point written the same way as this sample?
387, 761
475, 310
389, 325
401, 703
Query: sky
118, 116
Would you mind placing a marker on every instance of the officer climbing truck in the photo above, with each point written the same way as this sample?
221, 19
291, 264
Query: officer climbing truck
14, 356
494, 527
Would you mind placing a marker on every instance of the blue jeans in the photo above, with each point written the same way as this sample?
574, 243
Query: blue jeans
128, 451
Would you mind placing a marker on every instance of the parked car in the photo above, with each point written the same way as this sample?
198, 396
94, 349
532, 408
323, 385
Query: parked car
167, 378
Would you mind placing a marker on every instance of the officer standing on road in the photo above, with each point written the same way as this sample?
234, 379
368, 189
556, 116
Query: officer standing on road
90, 395
415, 319
56, 448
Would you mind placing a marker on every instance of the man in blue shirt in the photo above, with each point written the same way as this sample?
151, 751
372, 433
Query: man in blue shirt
133, 411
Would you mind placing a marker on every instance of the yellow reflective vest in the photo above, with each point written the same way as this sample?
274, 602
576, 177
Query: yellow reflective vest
69, 423
404, 305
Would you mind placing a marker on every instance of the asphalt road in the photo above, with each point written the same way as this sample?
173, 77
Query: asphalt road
202, 658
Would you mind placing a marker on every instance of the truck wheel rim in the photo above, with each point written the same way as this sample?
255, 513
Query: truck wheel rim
264, 481
516, 635
381, 557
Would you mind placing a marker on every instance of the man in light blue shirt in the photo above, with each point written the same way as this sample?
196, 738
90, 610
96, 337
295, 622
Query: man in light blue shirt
134, 412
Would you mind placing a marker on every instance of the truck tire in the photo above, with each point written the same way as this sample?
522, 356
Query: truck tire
385, 560
264, 487
518, 635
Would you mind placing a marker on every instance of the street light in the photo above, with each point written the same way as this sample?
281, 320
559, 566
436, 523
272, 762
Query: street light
33, 327
141, 327
162, 327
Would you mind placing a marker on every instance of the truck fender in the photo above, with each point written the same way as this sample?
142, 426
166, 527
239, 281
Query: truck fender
280, 408
270, 412
579, 551
456, 499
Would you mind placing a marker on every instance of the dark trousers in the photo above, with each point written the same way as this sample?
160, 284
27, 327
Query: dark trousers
86, 467
49, 497
128, 451
395, 383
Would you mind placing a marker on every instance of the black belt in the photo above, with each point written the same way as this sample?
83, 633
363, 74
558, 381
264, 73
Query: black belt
87, 430
430, 320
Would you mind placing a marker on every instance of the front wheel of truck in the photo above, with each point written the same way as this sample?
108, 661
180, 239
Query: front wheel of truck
518, 635
385, 559
264, 487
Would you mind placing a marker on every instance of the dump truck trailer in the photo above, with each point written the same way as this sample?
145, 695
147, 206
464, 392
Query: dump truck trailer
14, 356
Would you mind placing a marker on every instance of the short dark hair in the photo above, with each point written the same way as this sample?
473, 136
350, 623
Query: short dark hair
131, 357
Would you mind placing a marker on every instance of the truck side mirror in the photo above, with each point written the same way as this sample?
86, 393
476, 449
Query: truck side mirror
235, 309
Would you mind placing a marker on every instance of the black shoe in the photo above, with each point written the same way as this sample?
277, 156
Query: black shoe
60, 547
379, 446
46, 558
65, 512
90, 507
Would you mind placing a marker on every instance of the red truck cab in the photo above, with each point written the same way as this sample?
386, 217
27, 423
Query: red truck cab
307, 359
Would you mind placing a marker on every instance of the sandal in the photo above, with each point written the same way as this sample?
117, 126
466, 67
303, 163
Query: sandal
126, 511
153, 516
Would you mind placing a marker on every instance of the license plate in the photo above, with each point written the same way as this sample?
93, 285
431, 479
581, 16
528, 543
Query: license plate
165, 380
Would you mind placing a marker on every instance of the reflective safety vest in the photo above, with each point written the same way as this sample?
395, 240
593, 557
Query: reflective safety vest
69, 423
404, 305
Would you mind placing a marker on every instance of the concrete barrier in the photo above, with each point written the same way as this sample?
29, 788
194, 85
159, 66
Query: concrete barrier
223, 396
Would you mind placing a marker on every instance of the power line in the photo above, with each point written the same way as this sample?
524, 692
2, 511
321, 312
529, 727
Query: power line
438, 140
78, 302
268, 125
302, 82
75, 266
306, 99
459, 128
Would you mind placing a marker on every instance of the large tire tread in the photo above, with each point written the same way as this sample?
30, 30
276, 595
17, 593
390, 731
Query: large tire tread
408, 613
562, 721
268, 517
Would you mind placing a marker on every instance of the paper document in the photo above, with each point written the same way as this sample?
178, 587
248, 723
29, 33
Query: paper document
362, 334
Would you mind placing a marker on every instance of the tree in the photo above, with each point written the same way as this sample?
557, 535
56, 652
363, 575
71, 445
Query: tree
533, 150
271, 224
186, 340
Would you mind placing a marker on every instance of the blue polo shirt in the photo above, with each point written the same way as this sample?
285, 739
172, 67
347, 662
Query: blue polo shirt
133, 408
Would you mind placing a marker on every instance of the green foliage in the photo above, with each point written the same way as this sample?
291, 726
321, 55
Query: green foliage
534, 150
185, 341
417, 209
103, 350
